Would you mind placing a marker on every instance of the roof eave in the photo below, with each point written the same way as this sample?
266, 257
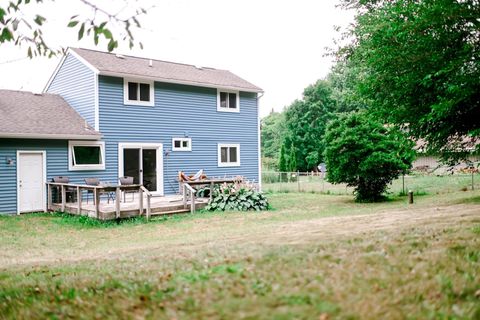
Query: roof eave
175, 81
50, 136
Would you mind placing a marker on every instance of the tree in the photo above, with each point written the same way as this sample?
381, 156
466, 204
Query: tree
305, 122
419, 67
23, 30
282, 164
272, 133
292, 160
365, 154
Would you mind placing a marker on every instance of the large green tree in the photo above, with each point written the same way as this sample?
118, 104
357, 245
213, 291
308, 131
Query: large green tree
365, 154
272, 133
418, 65
305, 121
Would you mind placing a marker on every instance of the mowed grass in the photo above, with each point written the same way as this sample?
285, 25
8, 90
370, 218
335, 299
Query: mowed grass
311, 257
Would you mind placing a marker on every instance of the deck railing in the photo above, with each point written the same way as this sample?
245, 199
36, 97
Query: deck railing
97, 192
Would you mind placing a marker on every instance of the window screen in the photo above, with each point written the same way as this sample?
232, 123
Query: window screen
132, 91
87, 155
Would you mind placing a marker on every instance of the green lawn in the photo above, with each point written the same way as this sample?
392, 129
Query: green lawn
312, 257
419, 183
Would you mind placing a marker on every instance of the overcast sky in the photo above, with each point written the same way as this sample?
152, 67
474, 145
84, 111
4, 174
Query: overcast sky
277, 45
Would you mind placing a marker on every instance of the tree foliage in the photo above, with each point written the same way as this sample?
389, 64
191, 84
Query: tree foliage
272, 133
418, 65
305, 122
365, 154
24, 30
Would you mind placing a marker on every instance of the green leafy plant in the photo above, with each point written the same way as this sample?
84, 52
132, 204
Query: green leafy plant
365, 154
238, 196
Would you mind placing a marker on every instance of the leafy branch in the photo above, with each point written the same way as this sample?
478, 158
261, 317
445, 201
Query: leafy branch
17, 28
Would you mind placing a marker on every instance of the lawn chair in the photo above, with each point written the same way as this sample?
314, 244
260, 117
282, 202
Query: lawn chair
125, 181
69, 191
96, 182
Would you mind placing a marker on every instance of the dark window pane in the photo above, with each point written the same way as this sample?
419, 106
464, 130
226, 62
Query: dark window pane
233, 154
185, 143
177, 143
223, 99
232, 100
131, 164
144, 92
223, 154
150, 169
87, 155
132, 91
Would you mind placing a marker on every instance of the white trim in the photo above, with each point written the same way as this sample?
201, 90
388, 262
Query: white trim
227, 109
96, 97
259, 145
83, 167
54, 74
228, 164
49, 136
184, 82
57, 69
82, 60
128, 102
44, 178
140, 145
181, 148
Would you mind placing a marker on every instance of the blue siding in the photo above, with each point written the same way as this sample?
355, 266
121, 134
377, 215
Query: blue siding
57, 165
179, 108
75, 82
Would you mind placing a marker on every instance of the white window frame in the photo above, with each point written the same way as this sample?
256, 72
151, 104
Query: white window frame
227, 109
79, 167
126, 101
181, 148
228, 164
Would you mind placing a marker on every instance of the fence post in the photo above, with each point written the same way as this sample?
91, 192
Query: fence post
298, 180
473, 184
410, 196
403, 183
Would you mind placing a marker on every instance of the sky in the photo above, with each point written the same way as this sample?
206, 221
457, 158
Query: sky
279, 45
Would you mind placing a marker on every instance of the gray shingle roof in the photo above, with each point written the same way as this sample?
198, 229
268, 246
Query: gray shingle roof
28, 115
109, 63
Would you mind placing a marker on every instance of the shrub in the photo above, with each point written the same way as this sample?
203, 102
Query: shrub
365, 154
238, 196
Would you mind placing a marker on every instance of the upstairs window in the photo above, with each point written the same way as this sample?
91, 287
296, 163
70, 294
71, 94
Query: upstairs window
181, 144
228, 155
138, 93
228, 101
86, 155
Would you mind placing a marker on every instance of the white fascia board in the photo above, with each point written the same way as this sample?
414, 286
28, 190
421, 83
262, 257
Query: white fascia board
175, 81
49, 136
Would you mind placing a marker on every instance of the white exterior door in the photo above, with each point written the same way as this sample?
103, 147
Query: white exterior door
31, 181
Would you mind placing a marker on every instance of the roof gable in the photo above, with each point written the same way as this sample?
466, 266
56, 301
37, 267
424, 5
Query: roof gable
46, 116
129, 66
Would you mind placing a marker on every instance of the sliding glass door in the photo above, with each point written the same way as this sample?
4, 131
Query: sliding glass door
141, 161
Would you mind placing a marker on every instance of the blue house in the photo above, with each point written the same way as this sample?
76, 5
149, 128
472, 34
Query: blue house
107, 115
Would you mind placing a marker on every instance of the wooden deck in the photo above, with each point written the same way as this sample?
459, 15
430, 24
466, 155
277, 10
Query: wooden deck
162, 205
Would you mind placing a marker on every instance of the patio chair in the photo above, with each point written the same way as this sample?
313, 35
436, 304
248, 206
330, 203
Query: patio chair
125, 181
69, 191
96, 182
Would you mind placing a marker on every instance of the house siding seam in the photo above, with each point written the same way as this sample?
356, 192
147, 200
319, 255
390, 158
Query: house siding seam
75, 82
57, 165
179, 109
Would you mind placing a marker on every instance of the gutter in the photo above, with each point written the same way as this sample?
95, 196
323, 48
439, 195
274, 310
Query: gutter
49, 136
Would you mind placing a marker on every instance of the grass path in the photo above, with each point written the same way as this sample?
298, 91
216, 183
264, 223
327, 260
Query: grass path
313, 256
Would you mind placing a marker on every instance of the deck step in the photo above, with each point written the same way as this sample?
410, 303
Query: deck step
164, 213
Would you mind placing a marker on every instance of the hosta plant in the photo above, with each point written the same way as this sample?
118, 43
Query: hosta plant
238, 196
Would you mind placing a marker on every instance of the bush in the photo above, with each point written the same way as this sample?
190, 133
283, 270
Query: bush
365, 154
238, 196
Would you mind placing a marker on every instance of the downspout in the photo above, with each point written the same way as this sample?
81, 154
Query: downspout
259, 143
